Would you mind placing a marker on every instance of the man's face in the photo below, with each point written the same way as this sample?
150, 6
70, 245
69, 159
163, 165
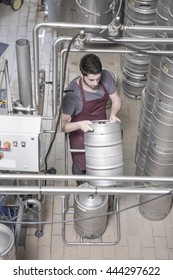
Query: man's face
92, 80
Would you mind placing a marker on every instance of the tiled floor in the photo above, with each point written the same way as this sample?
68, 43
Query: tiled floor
140, 238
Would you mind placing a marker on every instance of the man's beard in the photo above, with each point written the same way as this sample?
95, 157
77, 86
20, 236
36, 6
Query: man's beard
92, 87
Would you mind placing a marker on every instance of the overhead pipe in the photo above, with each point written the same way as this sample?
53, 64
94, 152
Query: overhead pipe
85, 177
97, 27
36, 46
83, 190
94, 190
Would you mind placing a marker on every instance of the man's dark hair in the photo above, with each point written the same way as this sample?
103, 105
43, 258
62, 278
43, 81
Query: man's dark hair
90, 64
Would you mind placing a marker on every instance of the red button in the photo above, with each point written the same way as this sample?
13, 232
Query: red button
7, 146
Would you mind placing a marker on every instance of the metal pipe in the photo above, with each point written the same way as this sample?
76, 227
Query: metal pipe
24, 71
147, 28
36, 45
85, 177
3, 62
164, 52
130, 40
9, 103
92, 190
18, 222
5, 74
65, 39
24, 109
60, 40
36, 202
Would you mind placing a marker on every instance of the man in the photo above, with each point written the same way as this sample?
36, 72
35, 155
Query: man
85, 101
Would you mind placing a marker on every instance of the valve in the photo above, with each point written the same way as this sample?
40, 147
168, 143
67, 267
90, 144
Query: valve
80, 40
115, 27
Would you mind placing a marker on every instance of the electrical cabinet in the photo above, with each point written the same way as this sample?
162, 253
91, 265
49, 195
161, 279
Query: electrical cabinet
20, 143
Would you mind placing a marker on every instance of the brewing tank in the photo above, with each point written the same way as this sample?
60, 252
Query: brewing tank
103, 151
84, 11
90, 214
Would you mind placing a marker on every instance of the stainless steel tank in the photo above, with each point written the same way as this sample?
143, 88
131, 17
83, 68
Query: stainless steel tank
90, 214
7, 243
83, 11
103, 150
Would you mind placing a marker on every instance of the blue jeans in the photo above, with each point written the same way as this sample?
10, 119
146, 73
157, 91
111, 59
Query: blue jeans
77, 171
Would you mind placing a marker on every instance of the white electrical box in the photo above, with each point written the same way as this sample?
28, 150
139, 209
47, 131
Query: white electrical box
20, 137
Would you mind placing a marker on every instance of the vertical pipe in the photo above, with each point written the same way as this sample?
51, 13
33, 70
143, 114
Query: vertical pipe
24, 71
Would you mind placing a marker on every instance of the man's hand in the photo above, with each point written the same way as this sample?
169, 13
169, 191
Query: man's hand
114, 119
85, 126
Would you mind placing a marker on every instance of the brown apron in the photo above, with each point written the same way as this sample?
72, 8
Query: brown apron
92, 110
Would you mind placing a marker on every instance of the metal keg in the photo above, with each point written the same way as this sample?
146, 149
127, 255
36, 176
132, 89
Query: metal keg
169, 34
154, 166
155, 59
165, 81
91, 210
145, 131
7, 244
133, 84
137, 63
140, 164
139, 125
161, 142
138, 45
149, 98
157, 209
162, 127
141, 12
103, 151
163, 7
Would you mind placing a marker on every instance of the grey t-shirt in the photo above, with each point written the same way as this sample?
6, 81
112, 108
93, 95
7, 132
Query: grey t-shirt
72, 101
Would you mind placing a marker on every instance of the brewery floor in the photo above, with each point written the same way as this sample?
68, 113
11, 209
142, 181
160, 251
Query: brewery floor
141, 239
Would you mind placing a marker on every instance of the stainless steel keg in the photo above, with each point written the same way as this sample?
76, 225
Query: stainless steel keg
103, 151
7, 244
90, 214
157, 209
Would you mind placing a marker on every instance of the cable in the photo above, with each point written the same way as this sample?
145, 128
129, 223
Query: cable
60, 107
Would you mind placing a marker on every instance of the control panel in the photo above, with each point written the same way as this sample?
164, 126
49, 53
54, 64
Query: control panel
20, 138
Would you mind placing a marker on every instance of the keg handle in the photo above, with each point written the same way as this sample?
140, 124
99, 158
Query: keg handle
91, 196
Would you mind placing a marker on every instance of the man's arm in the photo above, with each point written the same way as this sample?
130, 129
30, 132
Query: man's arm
68, 126
116, 106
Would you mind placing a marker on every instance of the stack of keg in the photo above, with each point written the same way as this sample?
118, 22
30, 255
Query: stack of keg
157, 157
104, 157
148, 94
135, 66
